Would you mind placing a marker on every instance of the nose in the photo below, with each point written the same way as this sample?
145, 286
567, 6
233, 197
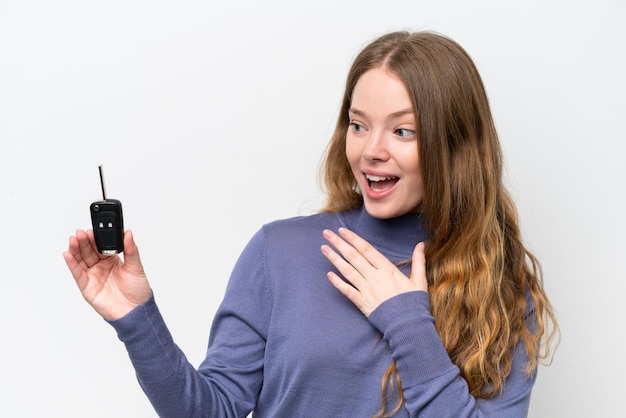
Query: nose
376, 148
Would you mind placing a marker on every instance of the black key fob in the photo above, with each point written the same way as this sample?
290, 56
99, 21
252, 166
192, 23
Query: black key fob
108, 223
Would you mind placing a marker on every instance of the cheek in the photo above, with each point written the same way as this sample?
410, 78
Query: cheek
408, 158
412, 166
417, 171
353, 154
418, 180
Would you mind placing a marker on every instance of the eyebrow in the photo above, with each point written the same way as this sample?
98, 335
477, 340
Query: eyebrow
392, 115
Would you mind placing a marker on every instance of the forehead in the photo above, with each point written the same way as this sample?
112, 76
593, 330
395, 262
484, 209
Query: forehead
380, 90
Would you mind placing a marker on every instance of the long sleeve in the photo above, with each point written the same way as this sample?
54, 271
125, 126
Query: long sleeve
432, 384
286, 343
228, 381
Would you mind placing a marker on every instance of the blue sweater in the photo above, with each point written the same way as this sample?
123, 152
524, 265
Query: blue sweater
286, 343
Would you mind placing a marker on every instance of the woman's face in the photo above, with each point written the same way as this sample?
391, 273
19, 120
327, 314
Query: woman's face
381, 145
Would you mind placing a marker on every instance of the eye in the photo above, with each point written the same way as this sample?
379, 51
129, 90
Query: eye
356, 128
404, 133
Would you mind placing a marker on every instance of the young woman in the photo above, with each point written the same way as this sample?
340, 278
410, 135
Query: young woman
410, 294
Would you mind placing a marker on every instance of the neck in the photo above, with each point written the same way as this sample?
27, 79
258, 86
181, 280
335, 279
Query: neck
399, 234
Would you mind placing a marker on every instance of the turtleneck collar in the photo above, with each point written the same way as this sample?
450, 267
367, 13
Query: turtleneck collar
399, 235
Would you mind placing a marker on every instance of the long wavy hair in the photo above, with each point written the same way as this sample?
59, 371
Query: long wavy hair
484, 284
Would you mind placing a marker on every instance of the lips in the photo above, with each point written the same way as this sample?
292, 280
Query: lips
381, 184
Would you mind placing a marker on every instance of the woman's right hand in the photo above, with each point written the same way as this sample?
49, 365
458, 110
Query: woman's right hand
112, 286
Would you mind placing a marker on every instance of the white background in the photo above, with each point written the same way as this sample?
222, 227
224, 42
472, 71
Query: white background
210, 119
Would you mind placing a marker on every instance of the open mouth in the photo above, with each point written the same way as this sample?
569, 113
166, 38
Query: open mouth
380, 183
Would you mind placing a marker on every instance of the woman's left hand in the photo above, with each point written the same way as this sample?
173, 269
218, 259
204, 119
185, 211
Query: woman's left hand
373, 277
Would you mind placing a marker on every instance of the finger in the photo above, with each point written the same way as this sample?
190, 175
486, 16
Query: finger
92, 241
345, 289
73, 250
87, 246
349, 252
350, 273
418, 267
72, 256
365, 249
132, 260
74, 262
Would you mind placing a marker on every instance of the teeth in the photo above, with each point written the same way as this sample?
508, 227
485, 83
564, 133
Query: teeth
377, 178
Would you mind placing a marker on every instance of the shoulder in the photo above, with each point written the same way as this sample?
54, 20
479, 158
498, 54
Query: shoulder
530, 317
296, 235
290, 232
299, 224
302, 232
284, 241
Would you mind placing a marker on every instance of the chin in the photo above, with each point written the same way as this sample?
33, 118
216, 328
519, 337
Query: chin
383, 213
380, 210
